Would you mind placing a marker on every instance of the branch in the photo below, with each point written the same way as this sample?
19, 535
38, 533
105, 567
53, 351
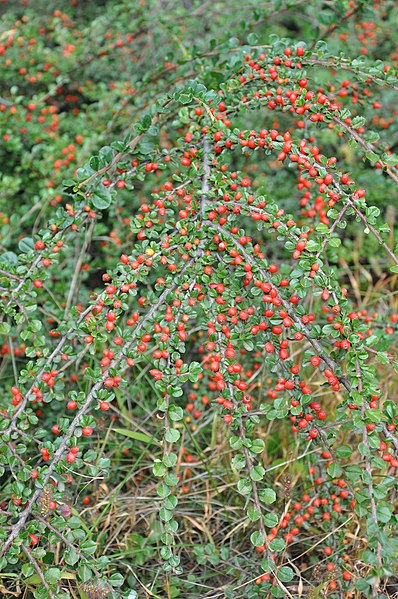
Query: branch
371, 228
37, 379
333, 26
347, 67
23, 516
206, 175
120, 155
39, 571
79, 262
68, 543
366, 146
314, 342
373, 507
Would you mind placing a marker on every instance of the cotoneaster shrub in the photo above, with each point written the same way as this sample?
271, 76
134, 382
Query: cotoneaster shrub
198, 376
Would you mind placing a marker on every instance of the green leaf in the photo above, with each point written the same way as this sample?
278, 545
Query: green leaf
165, 514
172, 435
357, 122
71, 557
171, 479
106, 153
277, 545
116, 580
235, 442
163, 490
52, 575
244, 486
267, 496
334, 470
159, 469
88, 547
285, 574
176, 413
75, 522
26, 245
101, 199
9, 259
253, 514
322, 228
383, 513
170, 501
27, 569
343, 452
252, 39
372, 156
257, 473
239, 461
170, 460
271, 520
5, 328
257, 538
35, 325
257, 446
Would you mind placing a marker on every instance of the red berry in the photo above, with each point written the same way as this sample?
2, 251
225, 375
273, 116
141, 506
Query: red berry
315, 360
87, 431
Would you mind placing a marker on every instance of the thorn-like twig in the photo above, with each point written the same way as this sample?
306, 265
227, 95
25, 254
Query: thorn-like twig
38, 570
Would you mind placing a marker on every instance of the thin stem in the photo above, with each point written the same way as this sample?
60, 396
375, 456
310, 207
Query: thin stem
366, 146
67, 543
206, 175
373, 507
347, 67
120, 155
79, 262
39, 571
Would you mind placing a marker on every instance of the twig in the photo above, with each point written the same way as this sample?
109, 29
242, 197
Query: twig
67, 543
368, 467
333, 26
79, 263
206, 175
39, 571
120, 155
347, 67
331, 230
366, 146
